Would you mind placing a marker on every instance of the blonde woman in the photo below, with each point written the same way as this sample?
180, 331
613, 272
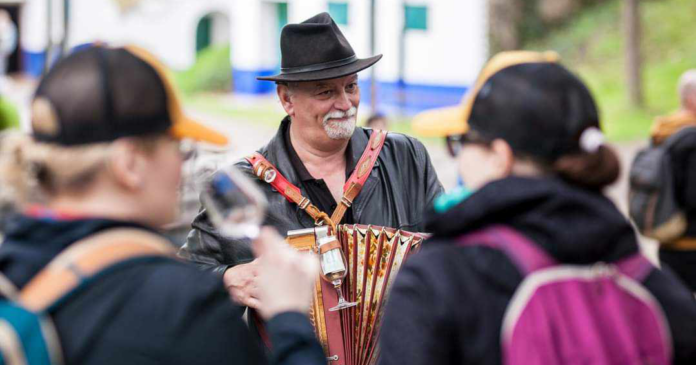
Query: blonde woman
104, 159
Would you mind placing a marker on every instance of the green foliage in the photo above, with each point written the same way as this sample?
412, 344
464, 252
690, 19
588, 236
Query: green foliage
211, 72
592, 45
9, 116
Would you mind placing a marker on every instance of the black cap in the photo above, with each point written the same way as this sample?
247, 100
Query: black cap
100, 94
317, 50
540, 109
526, 98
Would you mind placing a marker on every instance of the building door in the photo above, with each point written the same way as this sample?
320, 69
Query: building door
204, 33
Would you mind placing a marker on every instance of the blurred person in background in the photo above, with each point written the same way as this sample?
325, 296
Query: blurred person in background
317, 148
103, 166
8, 42
377, 121
531, 156
680, 253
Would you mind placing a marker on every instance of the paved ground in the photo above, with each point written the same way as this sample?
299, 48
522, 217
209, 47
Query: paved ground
247, 136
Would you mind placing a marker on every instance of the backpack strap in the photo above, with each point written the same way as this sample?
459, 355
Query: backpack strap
7, 289
268, 173
636, 266
527, 256
86, 258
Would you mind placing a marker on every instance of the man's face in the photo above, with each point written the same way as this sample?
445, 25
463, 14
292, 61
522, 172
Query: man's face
324, 109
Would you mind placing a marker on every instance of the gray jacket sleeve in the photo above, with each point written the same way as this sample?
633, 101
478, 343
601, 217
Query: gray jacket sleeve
210, 250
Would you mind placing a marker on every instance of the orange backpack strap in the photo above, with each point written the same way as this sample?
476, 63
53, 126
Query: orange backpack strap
359, 176
265, 171
86, 258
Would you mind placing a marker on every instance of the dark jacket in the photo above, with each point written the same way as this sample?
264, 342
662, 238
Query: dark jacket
402, 183
147, 311
683, 157
448, 301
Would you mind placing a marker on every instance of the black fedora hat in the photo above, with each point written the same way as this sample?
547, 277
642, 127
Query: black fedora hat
317, 50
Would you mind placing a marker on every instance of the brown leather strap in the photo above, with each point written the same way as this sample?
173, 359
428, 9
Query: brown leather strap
86, 258
360, 175
329, 246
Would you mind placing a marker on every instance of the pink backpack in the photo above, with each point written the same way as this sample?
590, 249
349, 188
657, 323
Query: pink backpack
570, 314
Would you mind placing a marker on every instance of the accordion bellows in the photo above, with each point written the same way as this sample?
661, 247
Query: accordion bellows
374, 255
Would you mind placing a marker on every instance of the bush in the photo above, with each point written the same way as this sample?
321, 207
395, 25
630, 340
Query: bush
9, 117
211, 72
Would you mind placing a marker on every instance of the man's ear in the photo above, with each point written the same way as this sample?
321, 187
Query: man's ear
126, 164
505, 158
286, 99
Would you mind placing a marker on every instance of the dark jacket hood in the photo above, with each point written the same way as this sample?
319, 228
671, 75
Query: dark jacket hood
573, 225
31, 242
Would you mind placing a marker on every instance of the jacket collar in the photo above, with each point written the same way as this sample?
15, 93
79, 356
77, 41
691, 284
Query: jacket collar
280, 152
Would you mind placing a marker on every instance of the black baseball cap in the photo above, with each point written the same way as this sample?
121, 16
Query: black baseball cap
526, 98
101, 94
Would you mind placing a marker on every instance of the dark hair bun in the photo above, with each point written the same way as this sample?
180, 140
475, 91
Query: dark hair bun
590, 170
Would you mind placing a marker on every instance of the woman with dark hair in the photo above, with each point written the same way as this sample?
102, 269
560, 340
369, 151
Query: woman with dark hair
530, 152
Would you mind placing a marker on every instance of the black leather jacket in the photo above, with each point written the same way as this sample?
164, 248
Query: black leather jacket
402, 184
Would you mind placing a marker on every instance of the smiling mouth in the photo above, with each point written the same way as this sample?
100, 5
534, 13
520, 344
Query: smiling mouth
340, 120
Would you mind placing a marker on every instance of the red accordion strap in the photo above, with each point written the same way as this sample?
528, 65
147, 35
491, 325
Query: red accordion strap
265, 171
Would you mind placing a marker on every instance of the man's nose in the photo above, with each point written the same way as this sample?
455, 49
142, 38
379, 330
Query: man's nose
343, 102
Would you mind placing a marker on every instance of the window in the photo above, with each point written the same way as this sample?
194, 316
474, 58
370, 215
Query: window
339, 12
415, 17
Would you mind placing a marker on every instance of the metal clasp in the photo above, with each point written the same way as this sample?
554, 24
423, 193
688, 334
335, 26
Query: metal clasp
332, 358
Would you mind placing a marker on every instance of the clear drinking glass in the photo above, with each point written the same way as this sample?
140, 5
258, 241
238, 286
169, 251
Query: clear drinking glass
333, 270
234, 204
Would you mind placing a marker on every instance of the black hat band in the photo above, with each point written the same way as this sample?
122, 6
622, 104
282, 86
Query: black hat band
319, 66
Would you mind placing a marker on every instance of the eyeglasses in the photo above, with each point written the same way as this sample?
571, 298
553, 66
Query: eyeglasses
455, 142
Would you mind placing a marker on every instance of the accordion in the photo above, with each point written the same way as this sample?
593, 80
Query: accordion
373, 256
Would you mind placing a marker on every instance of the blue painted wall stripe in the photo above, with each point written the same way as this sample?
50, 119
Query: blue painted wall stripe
33, 62
245, 82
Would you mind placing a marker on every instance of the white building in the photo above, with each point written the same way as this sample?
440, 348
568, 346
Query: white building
442, 42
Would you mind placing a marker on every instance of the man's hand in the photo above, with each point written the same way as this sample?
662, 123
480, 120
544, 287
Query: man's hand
286, 277
241, 283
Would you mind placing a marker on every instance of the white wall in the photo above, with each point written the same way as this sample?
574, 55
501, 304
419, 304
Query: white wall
166, 28
453, 48
449, 52
33, 17
169, 29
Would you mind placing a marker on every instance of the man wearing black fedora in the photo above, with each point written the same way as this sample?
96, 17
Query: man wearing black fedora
318, 149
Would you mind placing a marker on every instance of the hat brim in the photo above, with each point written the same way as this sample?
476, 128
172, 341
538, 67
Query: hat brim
441, 122
325, 74
186, 128
182, 126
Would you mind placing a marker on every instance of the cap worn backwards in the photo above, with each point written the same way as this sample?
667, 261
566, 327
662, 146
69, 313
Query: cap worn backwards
101, 94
